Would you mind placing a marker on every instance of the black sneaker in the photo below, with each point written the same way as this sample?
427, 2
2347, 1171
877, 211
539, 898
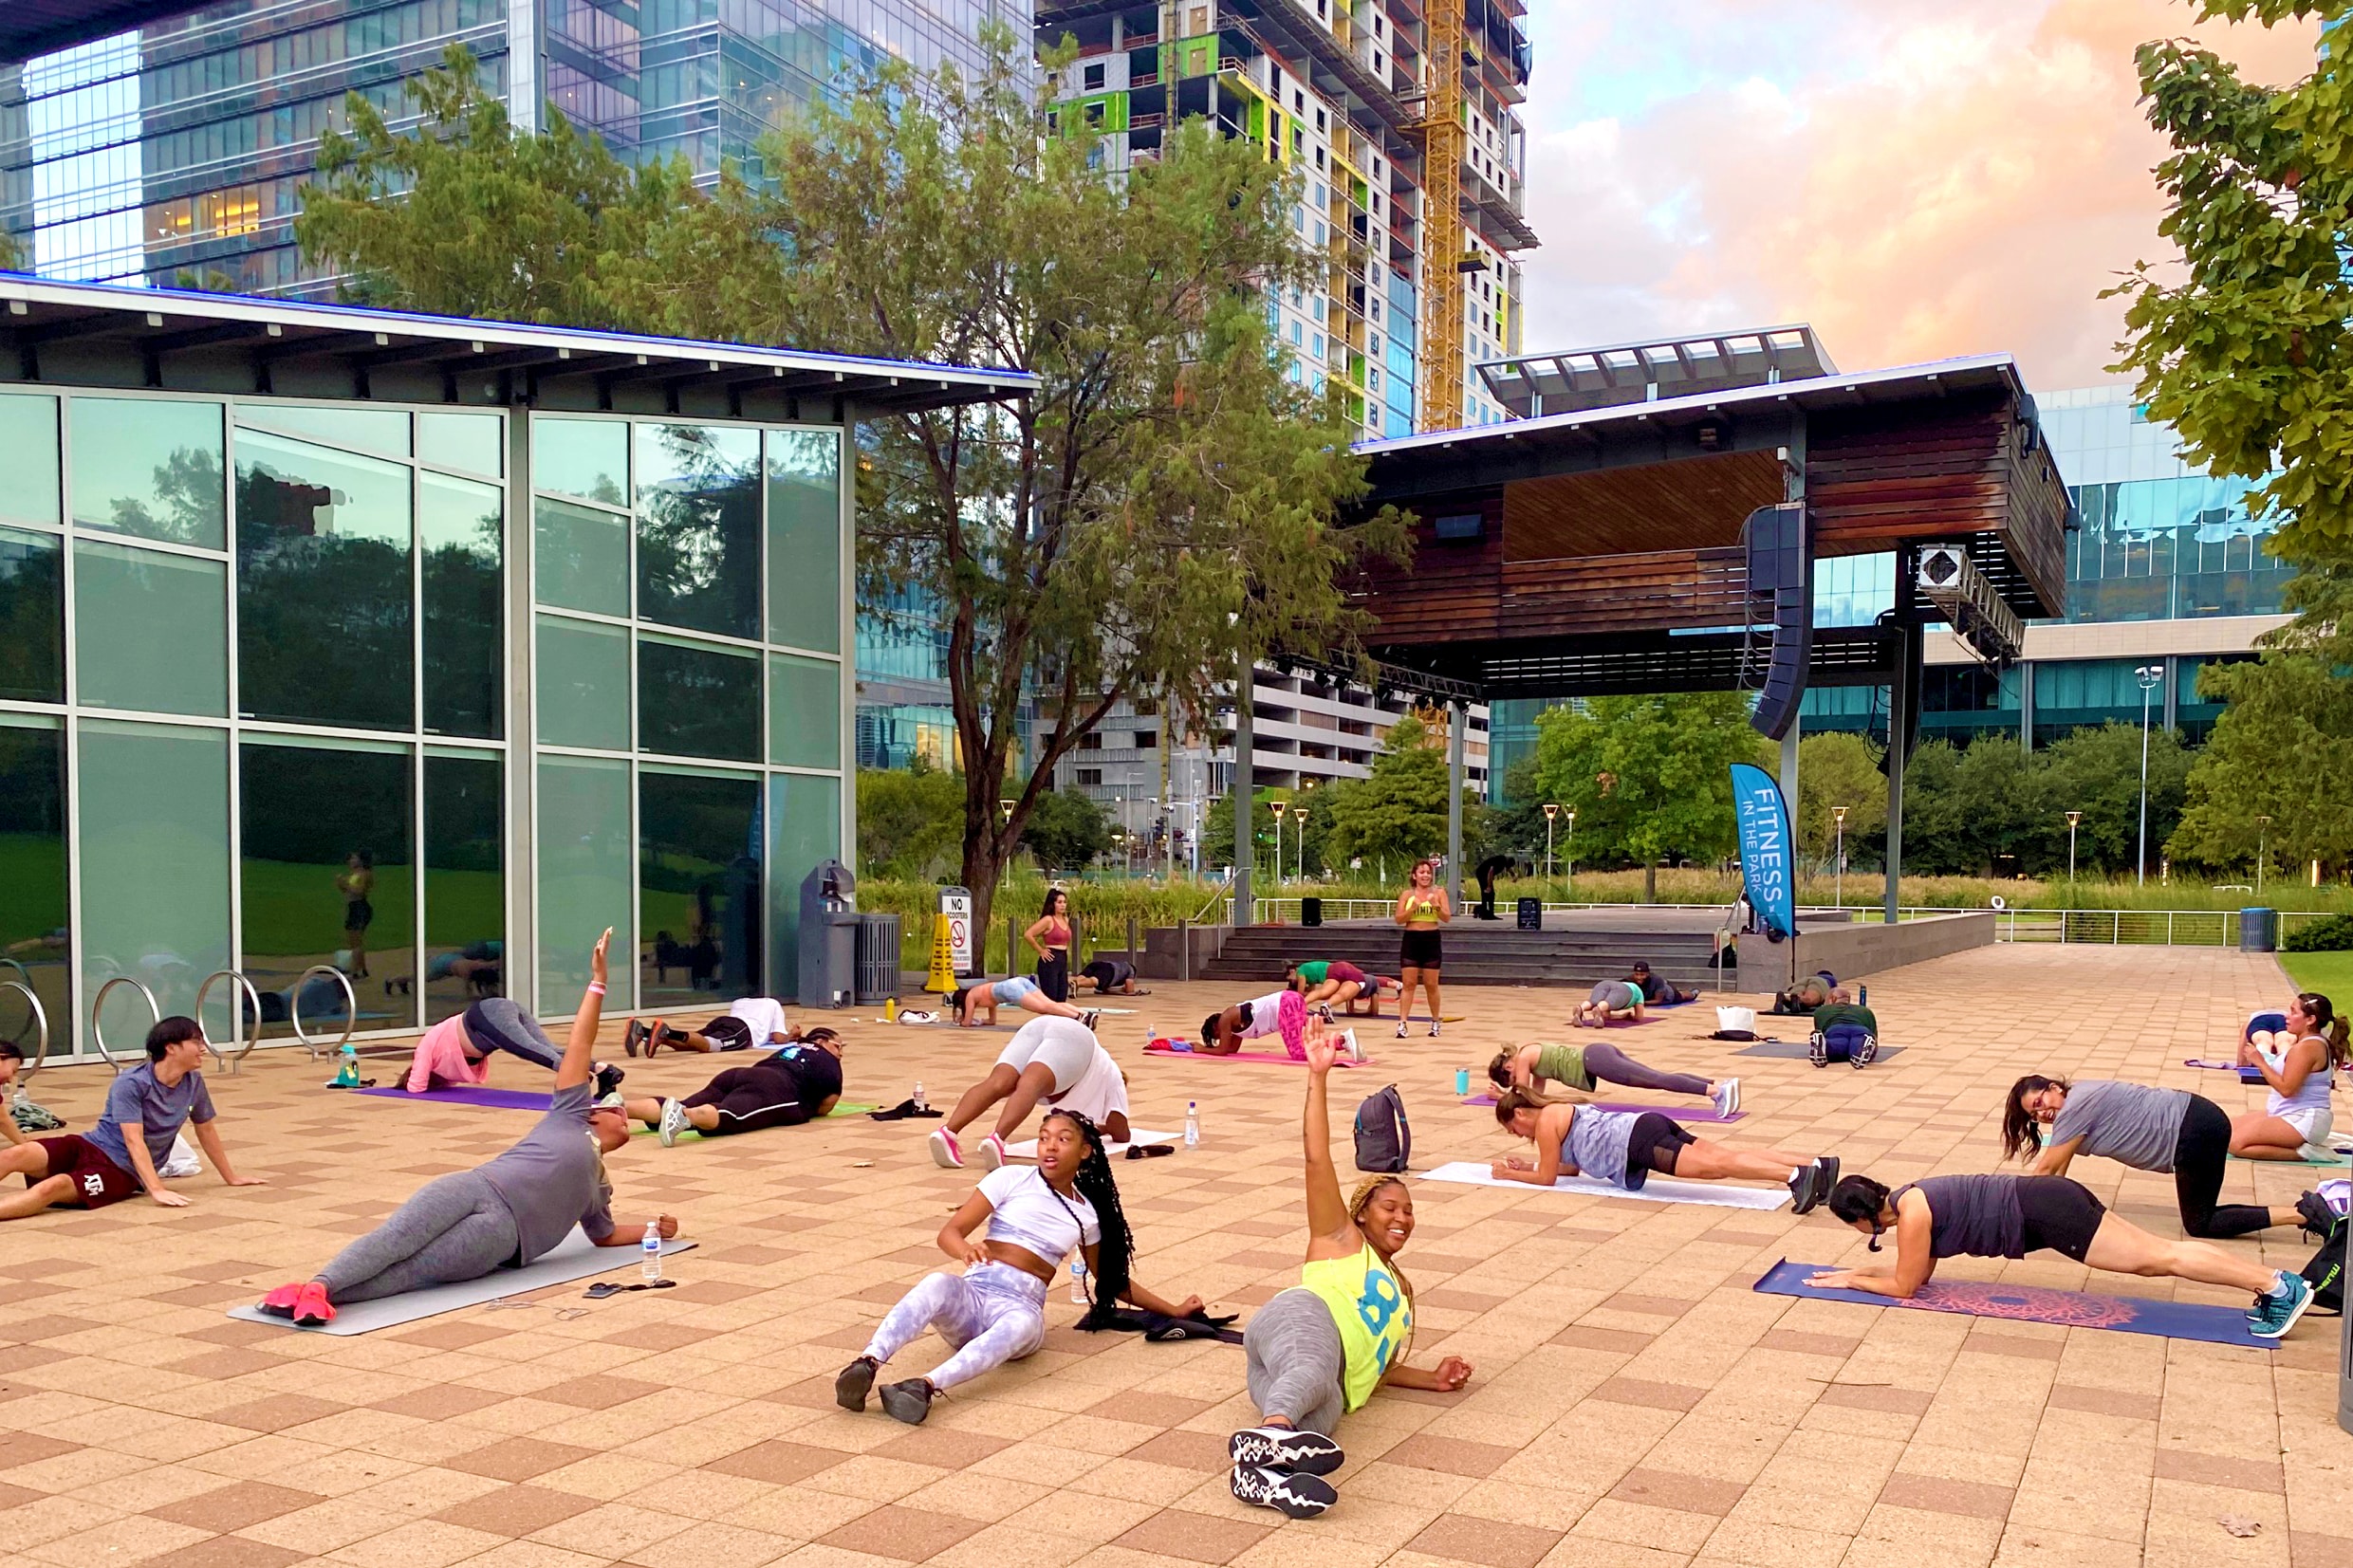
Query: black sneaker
1818, 1049
910, 1401
1284, 1491
1866, 1051
633, 1037
608, 1080
1282, 1448
850, 1386
1828, 1165
1805, 1188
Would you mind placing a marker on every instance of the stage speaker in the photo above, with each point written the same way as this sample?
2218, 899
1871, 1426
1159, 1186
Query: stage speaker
1311, 912
1781, 591
1532, 914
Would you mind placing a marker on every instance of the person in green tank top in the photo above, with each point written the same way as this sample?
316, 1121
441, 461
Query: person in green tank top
1322, 1347
1580, 1069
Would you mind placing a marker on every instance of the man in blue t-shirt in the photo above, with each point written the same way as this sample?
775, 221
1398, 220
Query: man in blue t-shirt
145, 1110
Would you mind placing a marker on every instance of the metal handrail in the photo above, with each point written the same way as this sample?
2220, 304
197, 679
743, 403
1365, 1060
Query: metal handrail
236, 1019
294, 1009
98, 1008
40, 1029
1222, 889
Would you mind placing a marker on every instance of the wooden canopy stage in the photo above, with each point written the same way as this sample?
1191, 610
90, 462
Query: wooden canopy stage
1596, 544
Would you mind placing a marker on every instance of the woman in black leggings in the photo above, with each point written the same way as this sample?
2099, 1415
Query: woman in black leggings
2135, 1125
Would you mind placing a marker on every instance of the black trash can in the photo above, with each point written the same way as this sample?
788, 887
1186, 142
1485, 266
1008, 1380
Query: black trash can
1531, 913
1311, 912
2258, 931
877, 958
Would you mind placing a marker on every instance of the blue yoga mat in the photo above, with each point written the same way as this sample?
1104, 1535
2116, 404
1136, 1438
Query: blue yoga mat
2213, 1325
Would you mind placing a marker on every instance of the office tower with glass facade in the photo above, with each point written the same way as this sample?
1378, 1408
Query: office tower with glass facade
143, 142
355, 648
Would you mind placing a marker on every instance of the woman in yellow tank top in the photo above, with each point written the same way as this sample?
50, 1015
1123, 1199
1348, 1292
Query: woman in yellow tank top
1323, 1347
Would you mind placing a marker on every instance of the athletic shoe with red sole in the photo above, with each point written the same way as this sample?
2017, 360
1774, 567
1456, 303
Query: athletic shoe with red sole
311, 1307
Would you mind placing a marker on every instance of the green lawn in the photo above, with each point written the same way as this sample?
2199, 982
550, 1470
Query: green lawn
2331, 973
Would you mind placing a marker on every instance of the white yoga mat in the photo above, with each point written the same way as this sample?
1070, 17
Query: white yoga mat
1028, 1149
1657, 1190
575, 1258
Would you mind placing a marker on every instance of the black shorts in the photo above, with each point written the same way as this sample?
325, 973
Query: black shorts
358, 914
1655, 1145
2060, 1214
729, 1033
751, 1098
1419, 950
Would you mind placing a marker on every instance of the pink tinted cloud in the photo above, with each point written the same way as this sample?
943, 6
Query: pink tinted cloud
1955, 177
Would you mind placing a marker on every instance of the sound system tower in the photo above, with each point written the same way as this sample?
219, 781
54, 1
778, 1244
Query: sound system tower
1781, 590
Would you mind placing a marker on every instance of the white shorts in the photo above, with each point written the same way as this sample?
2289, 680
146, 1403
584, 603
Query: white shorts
2312, 1122
1066, 1051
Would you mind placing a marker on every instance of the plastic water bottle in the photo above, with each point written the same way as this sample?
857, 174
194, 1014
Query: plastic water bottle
649, 1264
1462, 1081
1078, 1278
920, 1103
1862, 996
1192, 1125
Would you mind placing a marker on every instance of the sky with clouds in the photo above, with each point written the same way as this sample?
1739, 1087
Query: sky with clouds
1916, 178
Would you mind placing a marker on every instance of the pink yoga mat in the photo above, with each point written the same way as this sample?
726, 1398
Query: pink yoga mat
1676, 1112
497, 1099
1251, 1056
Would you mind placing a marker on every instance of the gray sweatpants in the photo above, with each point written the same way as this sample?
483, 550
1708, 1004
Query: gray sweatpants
1608, 1064
455, 1227
1295, 1362
495, 1024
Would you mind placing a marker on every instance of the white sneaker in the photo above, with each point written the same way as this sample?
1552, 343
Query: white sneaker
991, 1152
945, 1153
1727, 1097
1434, 1028
673, 1122
1401, 1029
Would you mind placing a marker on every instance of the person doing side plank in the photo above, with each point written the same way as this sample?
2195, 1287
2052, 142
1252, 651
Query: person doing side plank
1319, 1349
1940, 1217
469, 1224
1049, 1060
1624, 1148
2149, 1128
1583, 1067
994, 1312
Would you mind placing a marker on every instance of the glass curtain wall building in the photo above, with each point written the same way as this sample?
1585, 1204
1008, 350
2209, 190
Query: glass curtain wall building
316, 685
181, 147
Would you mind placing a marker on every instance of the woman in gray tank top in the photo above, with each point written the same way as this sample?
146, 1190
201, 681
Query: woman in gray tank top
1999, 1216
2052, 1120
1624, 1148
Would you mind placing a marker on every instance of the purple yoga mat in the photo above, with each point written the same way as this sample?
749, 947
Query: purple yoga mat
1250, 1056
2213, 1325
1678, 1112
497, 1099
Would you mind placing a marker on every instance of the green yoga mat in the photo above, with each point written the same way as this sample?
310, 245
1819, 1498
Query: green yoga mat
846, 1108
2339, 1163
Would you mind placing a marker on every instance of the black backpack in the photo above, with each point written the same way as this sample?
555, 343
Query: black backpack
1383, 1141
2325, 1272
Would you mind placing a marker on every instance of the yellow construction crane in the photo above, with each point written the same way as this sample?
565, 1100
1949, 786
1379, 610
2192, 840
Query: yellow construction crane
1444, 136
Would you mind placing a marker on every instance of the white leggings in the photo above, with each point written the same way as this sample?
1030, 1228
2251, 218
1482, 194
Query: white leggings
993, 1314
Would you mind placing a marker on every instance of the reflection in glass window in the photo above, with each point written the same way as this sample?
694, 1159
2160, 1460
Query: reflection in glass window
33, 891
32, 616
804, 539
698, 528
584, 457
475, 442
29, 435
698, 889
584, 557
323, 591
584, 877
367, 429
462, 529
465, 885
697, 700
151, 629
154, 845
328, 877
803, 712
584, 684
805, 826
150, 466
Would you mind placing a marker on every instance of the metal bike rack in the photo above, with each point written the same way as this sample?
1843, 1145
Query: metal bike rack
98, 1008
294, 1009
40, 1052
236, 1023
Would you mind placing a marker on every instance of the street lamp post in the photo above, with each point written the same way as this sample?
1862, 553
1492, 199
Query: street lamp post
1838, 862
1299, 854
2263, 827
1279, 808
1568, 849
2150, 676
1550, 811
2073, 819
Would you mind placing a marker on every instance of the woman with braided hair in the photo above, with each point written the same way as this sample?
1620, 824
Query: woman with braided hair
994, 1312
1322, 1347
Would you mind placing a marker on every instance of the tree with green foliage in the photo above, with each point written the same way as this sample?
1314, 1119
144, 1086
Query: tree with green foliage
1066, 830
1163, 510
1217, 829
1838, 768
1397, 811
2097, 771
1649, 777
910, 820
2282, 750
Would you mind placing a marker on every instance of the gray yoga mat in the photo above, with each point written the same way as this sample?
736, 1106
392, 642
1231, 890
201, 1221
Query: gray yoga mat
575, 1258
1795, 1050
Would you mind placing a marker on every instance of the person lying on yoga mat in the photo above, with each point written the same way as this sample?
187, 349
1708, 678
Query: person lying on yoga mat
994, 1312
1111, 977
1328, 982
1282, 1013
2299, 1064
456, 1053
2149, 1128
1319, 1349
1056, 1061
469, 1224
1611, 1000
797, 1084
748, 1022
117, 1157
1807, 994
1580, 1068
1658, 991
976, 1005
1624, 1148
1999, 1216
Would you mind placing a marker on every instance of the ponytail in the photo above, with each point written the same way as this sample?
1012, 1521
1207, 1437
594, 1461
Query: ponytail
2332, 1026
2022, 1135
1512, 1102
1115, 1253
1499, 1070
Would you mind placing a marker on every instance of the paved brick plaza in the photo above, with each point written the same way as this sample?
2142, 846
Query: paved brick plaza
1635, 1403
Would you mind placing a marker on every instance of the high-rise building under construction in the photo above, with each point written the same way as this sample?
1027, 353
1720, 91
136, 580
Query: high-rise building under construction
1402, 118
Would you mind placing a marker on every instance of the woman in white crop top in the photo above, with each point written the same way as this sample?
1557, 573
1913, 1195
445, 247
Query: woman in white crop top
994, 1312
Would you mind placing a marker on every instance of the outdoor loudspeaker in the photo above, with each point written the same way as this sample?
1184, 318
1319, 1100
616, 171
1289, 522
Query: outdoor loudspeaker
1781, 571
